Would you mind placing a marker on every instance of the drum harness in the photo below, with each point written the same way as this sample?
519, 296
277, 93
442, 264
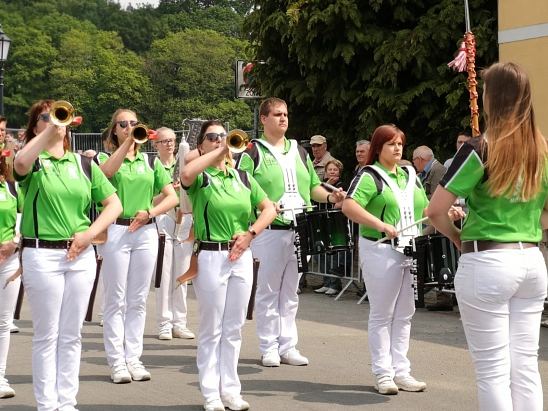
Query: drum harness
405, 200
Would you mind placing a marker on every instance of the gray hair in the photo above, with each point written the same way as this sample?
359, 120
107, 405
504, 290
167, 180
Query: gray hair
424, 152
362, 142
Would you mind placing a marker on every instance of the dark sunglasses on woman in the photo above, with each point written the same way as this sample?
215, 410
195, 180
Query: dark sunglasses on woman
123, 123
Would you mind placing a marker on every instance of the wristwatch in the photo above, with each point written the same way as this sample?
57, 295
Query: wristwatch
16, 240
150, 217
253, 232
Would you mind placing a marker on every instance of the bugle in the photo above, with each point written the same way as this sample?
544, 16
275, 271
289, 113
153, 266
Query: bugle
141, 134
61, 113
237, 141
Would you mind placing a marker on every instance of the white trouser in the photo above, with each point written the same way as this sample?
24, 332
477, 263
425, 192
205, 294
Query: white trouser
391, 307
8, 298
128, 260
276, 300
58, 291
100, 296
501, 297
171, 307
222, 289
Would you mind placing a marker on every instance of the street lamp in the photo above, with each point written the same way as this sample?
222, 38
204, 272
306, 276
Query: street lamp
4, 50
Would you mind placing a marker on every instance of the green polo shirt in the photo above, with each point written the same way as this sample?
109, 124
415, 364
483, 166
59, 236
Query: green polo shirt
223, 204
384, 206
169, 170
8, 211
270, 177
59, 197
136, 182
499, 219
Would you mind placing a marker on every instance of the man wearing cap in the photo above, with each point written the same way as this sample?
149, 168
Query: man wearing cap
321, 155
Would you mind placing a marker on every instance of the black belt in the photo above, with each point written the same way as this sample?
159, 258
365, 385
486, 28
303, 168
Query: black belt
371, 238
53, 245
279, 227
213, 246
484, 245
127, 221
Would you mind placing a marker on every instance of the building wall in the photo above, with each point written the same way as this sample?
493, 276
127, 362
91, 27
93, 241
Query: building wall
523, 39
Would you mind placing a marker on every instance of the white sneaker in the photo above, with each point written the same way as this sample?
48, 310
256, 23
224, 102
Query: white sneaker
5, 390
271, 359
138, 371
165, 335
120, 374
293, 357
331, 291
13, 328
214, 405
101, 323
184, 333
384, 384
235, 403
321, 290
409, 384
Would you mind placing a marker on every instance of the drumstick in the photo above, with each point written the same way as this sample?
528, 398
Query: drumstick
296, 208
329, 187
403, 229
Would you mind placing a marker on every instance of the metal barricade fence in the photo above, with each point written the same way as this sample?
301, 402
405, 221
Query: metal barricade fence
345, 263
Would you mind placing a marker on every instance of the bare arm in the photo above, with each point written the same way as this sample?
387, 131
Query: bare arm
242, 240
113, 208
196, 166
359, 215
111, 166
30, 152
319, 194
437, 212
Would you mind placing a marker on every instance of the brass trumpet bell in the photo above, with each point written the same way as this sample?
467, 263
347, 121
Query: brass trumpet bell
61, 113
237, 141
140, 133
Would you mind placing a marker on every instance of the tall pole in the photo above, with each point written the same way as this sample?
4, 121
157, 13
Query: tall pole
1, 88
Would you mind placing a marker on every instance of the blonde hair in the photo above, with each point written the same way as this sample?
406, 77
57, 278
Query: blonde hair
112, 139
516, 150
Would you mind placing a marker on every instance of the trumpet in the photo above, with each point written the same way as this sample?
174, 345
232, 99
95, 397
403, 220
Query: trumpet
61, 114
141, 134
237, 141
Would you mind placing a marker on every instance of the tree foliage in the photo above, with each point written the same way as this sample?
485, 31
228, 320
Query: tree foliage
347, 66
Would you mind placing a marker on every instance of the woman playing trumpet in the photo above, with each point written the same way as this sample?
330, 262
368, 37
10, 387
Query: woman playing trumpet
130, 251
58, 259
225, 267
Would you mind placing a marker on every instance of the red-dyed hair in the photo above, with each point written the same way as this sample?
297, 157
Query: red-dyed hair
382, 135
35, 111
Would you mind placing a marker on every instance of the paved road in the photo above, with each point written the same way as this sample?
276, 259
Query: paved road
333, 336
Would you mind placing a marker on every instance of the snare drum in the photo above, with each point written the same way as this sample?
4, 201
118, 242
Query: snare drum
435, 263
327, 231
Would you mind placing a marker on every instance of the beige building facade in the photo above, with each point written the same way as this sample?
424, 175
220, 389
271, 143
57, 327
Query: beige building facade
523, 39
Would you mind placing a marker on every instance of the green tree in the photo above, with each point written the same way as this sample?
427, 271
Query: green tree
191, 74
347, 66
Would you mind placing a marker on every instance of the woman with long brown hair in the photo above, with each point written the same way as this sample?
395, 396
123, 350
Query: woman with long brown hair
57, 258
130, 251
501, 279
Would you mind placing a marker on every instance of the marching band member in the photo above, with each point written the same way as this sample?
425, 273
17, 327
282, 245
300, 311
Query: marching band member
283, 169
171, 306
386, 272
57, 257
131, 248
225, 267
11, 201
501, 278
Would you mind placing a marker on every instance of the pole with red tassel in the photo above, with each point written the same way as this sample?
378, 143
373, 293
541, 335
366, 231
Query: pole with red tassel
465, 61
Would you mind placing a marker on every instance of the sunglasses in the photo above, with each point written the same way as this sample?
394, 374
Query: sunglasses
123, 124
44, 117
215, 136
